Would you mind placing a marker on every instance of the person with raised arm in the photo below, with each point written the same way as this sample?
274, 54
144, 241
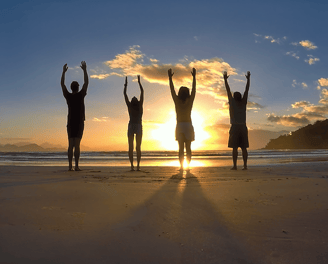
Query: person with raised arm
135, 109
76, 115
238, 134
184, 132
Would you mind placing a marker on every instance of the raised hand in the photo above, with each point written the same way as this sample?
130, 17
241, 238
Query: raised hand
126, 81
225, 75
193, 73
83, 65
170, 73
138, 78
65, 68
248, 75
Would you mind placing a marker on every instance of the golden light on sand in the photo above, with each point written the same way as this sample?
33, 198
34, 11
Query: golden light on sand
193, 163
165, 133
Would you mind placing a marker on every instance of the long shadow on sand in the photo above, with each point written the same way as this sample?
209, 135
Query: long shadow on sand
177, 224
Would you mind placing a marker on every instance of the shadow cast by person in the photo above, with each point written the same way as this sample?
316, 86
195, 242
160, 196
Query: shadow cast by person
178, 224
202, 230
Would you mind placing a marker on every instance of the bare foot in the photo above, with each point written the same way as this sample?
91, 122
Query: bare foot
181, 169
70, 169
77, 169
245, 168
132, 169
234, 168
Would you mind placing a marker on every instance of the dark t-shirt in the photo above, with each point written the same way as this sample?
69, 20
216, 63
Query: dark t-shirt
76, 108
135, 115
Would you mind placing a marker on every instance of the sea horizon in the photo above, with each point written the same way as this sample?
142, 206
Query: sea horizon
208, 158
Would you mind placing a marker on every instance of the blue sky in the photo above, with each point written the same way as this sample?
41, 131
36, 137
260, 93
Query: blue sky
282, 43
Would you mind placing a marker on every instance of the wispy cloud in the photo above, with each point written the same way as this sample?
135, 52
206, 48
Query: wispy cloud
311, 60
269, 38
322, 82
309, 113
293, 54
302, 84
100, 119
195, 38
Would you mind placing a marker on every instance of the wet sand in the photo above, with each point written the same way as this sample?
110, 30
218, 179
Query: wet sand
268, 214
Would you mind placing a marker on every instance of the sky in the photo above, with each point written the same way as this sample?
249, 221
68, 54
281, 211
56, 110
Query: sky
282, 43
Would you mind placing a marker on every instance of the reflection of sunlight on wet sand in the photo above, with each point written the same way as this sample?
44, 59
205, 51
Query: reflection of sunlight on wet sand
193, 163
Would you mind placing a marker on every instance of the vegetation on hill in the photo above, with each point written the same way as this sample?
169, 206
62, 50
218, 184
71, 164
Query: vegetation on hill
309, 137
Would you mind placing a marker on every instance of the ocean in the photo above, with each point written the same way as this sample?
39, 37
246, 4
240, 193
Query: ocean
163, 158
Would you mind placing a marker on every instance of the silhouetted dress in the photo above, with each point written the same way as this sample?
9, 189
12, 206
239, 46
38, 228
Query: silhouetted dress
135, 123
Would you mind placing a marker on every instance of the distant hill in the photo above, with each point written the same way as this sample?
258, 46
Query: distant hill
309, 137
27, 148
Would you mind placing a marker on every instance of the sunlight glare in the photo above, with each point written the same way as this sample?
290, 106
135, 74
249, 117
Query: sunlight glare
165, 133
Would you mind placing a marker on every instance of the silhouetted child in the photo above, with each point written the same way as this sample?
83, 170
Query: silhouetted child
76, 115
135, 109
238, 134
184, 132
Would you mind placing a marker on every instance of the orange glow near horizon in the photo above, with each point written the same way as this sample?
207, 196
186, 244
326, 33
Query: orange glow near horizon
165, 133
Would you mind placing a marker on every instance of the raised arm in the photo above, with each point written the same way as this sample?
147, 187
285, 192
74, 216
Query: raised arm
124, 92
225, 77
86, 79
141, 91
248, 77
193, 90
62, 81
174, 95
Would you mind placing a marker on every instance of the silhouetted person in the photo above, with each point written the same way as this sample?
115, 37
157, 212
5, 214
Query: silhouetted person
184, 132
238, 134
76, 114
135, 109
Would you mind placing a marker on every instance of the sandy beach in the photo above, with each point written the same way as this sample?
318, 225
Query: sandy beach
268, 214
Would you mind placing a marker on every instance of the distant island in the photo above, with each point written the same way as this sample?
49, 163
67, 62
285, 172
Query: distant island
309, 137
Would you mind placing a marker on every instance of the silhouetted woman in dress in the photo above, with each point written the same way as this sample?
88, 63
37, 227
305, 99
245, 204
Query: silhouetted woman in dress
184, 132
135, 109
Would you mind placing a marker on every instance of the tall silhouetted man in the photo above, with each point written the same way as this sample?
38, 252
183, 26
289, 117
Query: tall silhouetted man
238, 134
76, 114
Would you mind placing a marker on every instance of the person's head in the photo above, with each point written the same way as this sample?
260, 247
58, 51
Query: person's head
135, 103
184, 93
237, 96
75, 86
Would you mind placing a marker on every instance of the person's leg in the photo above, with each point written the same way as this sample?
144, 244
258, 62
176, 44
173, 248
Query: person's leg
138, 149
130, 139
77, 152
188, 150
70, 153
234, 158
245, 156
181, 153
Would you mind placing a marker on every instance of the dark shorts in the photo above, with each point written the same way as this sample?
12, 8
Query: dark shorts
75, 130
238, 136
134, 129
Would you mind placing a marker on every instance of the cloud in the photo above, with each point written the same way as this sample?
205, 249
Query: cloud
323, 82
209, 71
196, 38
270, 38
311, 60
293, 54
305, 44
101, 119
310, 112
303, 84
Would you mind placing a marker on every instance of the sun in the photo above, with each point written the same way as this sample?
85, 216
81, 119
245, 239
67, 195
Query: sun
165, 133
